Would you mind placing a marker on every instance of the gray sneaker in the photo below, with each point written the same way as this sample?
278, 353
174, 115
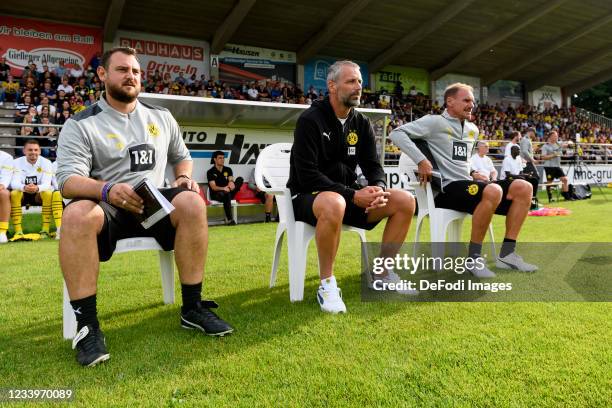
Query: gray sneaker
514, 261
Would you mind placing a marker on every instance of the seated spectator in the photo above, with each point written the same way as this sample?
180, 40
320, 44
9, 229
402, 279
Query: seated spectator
76, 71
31, 185
5, 70
81, 88
481, 165
6, 174
60, 70
512, 165
49, 91
9, 90
221, 184
252, 93
45, 103
65, 86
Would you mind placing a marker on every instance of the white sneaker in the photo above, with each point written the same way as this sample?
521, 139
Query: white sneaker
514, 261
330, 300
480, 269
3, 238
393, 279
57, 233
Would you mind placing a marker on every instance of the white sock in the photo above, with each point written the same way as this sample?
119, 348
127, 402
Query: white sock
329, 283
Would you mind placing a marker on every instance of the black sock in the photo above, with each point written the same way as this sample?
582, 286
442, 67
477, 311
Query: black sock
192, 294
85, 312
268, 216
474, 250
508, 247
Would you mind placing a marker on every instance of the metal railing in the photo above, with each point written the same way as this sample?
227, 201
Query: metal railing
594, 117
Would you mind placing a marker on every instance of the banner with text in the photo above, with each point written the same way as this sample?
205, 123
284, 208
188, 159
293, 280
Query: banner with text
315, 73
388, 77
241, 63
23, 41
546, 97
167, 54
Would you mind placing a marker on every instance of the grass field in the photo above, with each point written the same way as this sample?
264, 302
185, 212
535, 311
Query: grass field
284, 354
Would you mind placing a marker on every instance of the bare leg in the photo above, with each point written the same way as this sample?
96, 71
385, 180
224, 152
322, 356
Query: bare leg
520, 193
78, 248
564, 184
191, 239
328, 208
491, 197
5, 205
269, 204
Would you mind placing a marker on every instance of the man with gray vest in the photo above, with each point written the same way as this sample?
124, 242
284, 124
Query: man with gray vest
448, 140
103, 153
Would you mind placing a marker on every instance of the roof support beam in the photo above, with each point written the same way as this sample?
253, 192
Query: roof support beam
496, 36
402, 45
590, 82
113, 17
230, 25
533, 55
556, 76
333, 27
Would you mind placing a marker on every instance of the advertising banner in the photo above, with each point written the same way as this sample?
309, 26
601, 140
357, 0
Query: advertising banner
23, 41
240, 63
387, 77
167, 54
241, 147
546, 97
315, 73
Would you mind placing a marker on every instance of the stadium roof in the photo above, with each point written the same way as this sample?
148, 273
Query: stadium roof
566, 43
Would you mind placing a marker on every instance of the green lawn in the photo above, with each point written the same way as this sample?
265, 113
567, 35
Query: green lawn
284, 354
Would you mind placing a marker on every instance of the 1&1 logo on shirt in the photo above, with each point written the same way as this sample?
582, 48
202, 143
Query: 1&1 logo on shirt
460, 151
142, 157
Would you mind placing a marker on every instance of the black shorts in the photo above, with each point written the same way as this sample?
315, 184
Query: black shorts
353, 215
30, 200
553, 173
261, 195
121, 224
465, 195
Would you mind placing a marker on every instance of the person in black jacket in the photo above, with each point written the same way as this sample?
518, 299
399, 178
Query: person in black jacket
331, 138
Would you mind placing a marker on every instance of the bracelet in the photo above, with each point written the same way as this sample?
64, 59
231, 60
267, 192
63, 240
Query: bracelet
183, 176
106, 192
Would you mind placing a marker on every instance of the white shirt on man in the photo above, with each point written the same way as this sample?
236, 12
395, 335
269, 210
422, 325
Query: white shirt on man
482, 165
25, 173
513, 166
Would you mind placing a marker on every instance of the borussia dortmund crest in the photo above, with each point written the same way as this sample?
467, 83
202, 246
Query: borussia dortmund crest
352, 138
473, 189
153, 129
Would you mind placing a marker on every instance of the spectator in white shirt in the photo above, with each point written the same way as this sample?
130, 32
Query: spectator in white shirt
482, 165
76, 71
65, 86
512, 165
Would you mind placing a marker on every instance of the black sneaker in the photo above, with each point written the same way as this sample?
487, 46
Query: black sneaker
202, 318
91, 346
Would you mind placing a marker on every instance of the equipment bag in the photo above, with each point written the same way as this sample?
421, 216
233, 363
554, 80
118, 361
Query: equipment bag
580, 191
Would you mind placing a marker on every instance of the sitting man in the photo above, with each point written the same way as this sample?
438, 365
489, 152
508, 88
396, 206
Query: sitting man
100, 159
551, 154
449, 138
482, 165
266, 199
222, 185
512, 165
6, 174
331, 139
31, 185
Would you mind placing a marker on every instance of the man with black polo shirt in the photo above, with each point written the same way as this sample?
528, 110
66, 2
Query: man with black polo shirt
331, 138
102, 153
222, 185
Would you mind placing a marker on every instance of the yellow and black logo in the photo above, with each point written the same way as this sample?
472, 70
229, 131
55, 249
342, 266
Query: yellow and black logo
225, 174
473, 189
39, 169
352, 138
153, 129
471, 134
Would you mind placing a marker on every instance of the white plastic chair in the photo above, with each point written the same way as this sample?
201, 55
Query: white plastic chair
166, 266
443, 223
271, 175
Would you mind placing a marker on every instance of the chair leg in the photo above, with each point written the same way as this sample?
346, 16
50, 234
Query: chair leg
417, 234
166, 267
69, 320
454, 235
298, 250
492, 238
278, 245
235, 213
